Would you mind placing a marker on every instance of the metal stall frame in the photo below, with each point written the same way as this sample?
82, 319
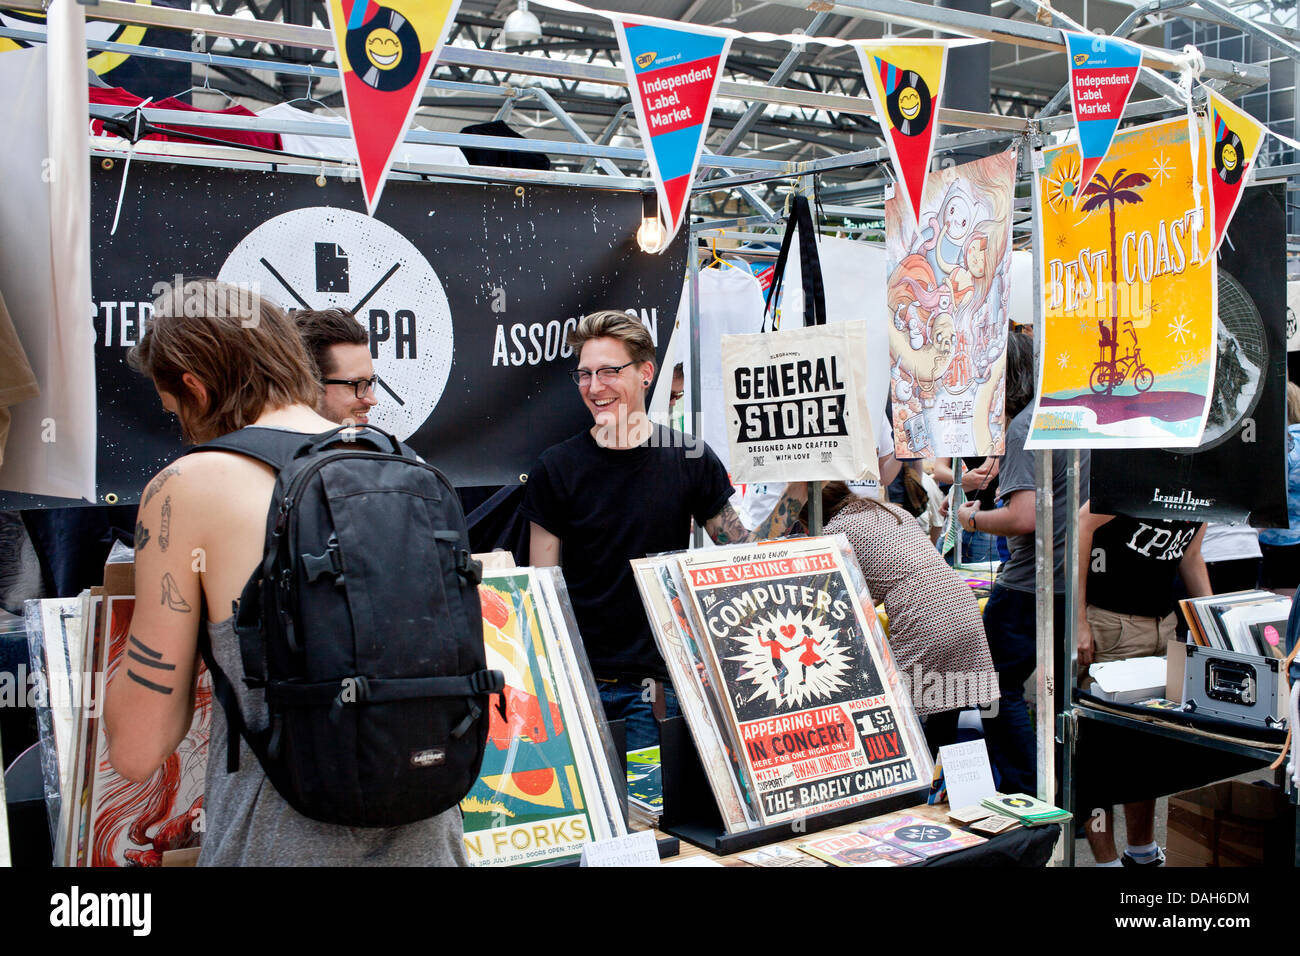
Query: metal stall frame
737, 174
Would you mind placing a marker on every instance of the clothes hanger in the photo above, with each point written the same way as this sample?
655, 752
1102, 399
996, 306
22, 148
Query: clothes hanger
717, 262
207, 87
312, 100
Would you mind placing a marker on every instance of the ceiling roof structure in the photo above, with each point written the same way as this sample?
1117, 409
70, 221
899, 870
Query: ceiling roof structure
1014, 80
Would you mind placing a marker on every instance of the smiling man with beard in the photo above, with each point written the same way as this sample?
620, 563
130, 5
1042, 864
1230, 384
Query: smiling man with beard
622, 489
340, 347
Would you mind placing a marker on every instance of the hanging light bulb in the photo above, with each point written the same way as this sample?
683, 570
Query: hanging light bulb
650, 235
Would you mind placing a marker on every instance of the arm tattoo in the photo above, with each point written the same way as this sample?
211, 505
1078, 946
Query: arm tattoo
141, 535
165, 534
156, 485
148, 683
171, 595
153, 660
779, 521
728, 527
156, 655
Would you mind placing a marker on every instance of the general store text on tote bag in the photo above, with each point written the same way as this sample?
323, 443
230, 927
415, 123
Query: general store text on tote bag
796, 410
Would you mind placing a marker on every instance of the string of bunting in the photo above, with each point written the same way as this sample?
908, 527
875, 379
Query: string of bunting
387, 52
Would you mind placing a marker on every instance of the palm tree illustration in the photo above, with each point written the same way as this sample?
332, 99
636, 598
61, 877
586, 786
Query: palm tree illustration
1118, 191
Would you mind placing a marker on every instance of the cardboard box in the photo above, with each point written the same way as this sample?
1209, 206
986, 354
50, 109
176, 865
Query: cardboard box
1231, 824
1129, 680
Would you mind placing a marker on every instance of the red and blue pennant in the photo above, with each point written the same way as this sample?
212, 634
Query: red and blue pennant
672, 75
1103, 71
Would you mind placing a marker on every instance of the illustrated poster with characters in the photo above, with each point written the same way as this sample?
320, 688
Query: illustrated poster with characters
1129, 296
948, 295
804, 673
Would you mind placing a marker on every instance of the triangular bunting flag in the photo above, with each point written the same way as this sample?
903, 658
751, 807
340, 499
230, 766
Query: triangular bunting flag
1103, 71
905, 78
672, 75
385, 56
1232, 141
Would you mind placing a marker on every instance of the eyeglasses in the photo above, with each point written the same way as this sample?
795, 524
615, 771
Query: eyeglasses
361, 387
607, 375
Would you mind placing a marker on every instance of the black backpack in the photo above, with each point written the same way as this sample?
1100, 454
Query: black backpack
363, 626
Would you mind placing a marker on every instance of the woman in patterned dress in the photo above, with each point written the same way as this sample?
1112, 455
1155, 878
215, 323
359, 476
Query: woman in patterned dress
935, 630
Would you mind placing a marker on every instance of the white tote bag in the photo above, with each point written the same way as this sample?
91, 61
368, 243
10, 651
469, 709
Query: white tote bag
796, 410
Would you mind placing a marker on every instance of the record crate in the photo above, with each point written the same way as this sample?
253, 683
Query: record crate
690, 813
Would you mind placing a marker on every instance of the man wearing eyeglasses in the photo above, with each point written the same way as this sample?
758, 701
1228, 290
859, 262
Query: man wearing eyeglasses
340, 347
623, 489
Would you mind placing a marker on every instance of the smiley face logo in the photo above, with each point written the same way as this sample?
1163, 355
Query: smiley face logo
908, 102
1229, 157
383, 49
384, 52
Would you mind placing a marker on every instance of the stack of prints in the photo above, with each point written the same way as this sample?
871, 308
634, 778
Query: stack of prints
645, 785
547, 784
785, 678
102, 818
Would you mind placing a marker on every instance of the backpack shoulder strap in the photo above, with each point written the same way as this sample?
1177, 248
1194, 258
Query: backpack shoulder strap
270, 446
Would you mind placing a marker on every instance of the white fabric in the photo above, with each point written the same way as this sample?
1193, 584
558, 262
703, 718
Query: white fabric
1229, 542
931, 518
731, 303
333, 147
853, 274
45, 258
1021, 307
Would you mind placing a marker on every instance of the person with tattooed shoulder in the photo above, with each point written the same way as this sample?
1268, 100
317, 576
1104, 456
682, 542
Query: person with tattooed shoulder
622, 489
202, 521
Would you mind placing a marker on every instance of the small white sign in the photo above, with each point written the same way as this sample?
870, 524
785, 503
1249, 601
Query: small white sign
635, 849
966, 773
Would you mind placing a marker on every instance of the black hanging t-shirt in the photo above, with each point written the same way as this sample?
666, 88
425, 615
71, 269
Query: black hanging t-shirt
608, 506
1133, 564
987, 496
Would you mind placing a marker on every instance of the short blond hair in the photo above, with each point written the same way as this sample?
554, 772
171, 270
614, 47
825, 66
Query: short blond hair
1292, 403
613, 324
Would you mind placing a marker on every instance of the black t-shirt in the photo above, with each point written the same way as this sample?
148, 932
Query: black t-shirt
1134, 562
608, 506
988, 495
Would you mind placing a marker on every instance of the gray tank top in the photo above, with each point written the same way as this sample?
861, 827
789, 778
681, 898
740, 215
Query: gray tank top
247, 823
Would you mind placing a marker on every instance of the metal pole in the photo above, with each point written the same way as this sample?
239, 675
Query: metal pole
1065, 739
1044, 563
569, 123
915, 14
778, 78
1146, 73
1003, 30
957, 468
694, 426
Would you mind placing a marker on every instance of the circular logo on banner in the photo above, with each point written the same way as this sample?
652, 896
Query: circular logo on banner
328, 258
384, 52
909, 105
100, 62
1228, 158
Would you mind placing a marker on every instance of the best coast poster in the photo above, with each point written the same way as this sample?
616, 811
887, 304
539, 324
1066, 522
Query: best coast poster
949, 294
1129, 297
